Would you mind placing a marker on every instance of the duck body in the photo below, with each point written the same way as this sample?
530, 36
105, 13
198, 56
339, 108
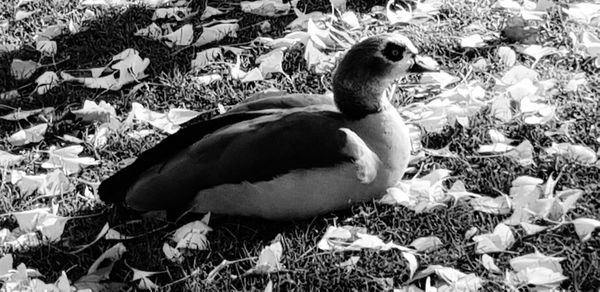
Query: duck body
282, 158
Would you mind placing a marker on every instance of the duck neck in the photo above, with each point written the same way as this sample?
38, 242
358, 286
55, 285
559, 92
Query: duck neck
358, 98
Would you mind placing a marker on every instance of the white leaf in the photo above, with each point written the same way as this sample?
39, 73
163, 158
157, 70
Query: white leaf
179, 13
584, 227
269, 260
472, 41
426, 244
441, 78
517, 73
537, 259
179, 115
353, 238
498, 241
271, 62
20, 14
508, 57
29, 220
538, 52
93, 111
192, 236
488, 263
216, 33
112, 255
181, 37
46, 47
266, 7
46, 81
541, 276
206, 57
52, 226
500, 109
68, 159
22, 70
207, 79
172, 253
413, 264
531, 229
500, 205
253, 75
8, 160
31, 135
209, 12
152, 31
583, 12
580, 153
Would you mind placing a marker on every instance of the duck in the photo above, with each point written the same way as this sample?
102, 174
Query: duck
284, 157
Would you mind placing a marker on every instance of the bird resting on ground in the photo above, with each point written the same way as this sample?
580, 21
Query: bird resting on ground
281, 157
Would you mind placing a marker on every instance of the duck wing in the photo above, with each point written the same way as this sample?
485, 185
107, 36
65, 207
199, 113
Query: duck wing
251, 150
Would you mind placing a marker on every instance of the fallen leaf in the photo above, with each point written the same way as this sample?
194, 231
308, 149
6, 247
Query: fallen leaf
192, 236
269, 260
67, 159
413, 264
441, 78
209, 12
207, 79
353, 238
47, 185
93, 111
498, 241
22, 70
216, 33
537, 259
20, 14
579, 153
8, 160
268, 8
152, 31
426, 244
500, 205
30, 135
206, 57
46, 81
172, 253
584, 227
181, 37
111, 255
508, 57
178, 13
472, 41
531, 229
488, 263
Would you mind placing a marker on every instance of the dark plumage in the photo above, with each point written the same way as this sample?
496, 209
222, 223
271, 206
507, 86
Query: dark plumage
283, 156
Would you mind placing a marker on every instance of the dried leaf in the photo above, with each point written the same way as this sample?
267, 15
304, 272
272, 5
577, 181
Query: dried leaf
268, 8
426, 244
181, 37
22, 70
508, 57
30, 135
584, 227
498, 241
488, 263
68, 159
8, 160
216, 33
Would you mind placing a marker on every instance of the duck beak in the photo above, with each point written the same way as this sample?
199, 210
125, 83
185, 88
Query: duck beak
423, 64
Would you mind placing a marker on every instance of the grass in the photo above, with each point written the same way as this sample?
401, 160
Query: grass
110, 31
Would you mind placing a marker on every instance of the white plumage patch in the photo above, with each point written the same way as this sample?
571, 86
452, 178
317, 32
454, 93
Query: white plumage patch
299, 194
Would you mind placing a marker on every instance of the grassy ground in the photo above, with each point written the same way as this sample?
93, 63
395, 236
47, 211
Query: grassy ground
111, 30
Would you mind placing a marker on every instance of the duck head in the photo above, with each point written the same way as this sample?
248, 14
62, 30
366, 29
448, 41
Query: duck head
368, 69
